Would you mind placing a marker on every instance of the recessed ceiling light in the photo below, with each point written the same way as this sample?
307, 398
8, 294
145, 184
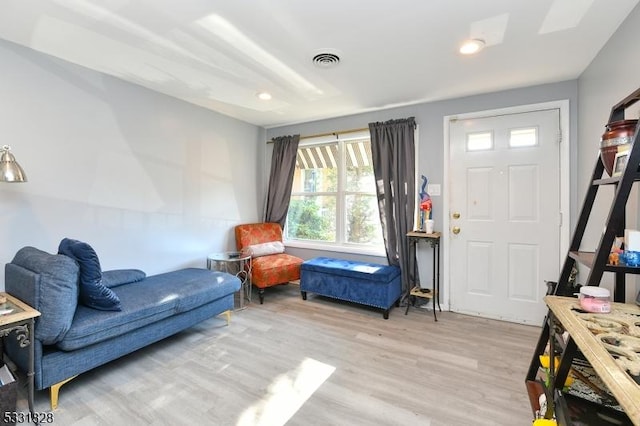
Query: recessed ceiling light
264, 96
472, 46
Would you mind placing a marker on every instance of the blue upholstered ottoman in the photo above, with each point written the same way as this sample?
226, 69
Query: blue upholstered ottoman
366, 283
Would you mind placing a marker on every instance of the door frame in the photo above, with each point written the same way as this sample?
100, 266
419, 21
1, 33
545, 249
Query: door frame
565, 177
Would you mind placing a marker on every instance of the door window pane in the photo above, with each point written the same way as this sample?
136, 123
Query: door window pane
523, 137
482, 141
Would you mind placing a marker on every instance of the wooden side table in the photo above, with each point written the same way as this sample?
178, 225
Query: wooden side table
416, 292
20, 317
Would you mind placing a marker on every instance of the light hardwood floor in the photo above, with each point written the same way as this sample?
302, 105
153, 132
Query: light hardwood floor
314, 362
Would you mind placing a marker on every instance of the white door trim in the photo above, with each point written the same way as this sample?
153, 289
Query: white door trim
563, 106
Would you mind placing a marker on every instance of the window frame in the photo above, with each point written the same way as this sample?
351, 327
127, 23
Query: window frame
341, 194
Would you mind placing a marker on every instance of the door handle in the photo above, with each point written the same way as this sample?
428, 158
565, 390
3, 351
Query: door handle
456, 215
455, 230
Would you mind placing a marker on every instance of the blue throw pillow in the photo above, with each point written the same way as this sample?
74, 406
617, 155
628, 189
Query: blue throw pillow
118, 277
92, 292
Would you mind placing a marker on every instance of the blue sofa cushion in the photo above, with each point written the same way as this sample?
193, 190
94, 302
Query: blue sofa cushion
118, 277
55, 280
346, 268
148, 301
92, 292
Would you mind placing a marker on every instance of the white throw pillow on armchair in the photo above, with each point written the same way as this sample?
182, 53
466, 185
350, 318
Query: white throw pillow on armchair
265, 249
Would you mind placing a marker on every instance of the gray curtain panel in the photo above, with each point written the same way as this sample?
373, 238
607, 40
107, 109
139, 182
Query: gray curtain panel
393, 151
283, 163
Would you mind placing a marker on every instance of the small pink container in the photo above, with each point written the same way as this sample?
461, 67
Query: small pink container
595, 299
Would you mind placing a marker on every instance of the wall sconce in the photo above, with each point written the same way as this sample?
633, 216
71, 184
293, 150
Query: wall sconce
10, 170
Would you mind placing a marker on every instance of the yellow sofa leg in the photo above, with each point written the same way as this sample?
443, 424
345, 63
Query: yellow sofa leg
227, 314
55, 389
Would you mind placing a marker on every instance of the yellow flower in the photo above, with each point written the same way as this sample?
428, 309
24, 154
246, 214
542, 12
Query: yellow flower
544, 422
544, 361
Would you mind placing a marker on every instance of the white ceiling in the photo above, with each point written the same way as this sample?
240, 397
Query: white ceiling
219, 54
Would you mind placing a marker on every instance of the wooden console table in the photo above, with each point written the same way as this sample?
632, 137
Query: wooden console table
620, 383
20, 318
434, 240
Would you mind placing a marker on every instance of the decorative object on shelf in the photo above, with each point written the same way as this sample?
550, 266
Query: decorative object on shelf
620, 162
10, 170
631, 240
630, 258
616, 139
429, 226
616, 250
618, 242
425, 208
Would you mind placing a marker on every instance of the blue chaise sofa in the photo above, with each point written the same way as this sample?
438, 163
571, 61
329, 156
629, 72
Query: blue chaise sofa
72, 337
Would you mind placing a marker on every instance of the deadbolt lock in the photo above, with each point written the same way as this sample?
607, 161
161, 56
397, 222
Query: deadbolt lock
456, 215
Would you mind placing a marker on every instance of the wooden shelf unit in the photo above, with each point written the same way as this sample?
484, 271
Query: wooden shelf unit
579, 343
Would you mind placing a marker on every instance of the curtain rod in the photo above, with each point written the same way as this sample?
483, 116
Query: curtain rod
318, 135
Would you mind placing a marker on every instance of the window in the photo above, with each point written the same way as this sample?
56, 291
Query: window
523, 137
482, 141
333, 199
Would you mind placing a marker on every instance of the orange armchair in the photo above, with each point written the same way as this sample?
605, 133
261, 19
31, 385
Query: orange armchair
270, 269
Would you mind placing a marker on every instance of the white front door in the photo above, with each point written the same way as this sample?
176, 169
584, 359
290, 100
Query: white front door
504, 214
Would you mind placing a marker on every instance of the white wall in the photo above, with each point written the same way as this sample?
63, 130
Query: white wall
149, 181
610, 77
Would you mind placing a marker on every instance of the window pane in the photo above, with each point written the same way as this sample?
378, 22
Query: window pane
315, 180
479, 141
523, 137
363, 220
312, 218
359, 167
316, 169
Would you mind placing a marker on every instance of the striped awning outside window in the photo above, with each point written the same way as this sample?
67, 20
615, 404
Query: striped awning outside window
357, 153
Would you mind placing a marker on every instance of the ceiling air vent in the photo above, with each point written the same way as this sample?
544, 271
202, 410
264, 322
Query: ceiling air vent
326, 60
